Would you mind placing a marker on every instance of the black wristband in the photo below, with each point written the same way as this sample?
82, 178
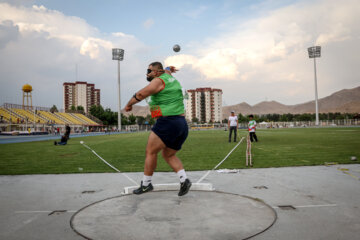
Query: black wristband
136, 98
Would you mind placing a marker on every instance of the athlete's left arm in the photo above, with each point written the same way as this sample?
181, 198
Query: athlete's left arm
155, 86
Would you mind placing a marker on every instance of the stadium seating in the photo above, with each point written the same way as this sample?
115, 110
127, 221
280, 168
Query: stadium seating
7, 116
18, 115
77, 118
52, 117
68, 117
86, 119
29, 115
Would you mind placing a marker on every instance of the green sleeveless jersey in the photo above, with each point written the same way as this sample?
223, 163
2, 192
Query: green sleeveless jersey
169, 101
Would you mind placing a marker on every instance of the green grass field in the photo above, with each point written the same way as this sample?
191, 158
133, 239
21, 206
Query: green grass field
202, 151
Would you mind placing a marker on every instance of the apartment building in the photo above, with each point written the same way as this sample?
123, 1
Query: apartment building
80, 94
205, 104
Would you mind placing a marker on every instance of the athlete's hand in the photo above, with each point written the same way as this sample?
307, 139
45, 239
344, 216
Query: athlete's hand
171, 69
128, 108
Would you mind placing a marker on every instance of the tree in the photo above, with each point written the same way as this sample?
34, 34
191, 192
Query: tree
283, 118
124, 120
80, 108
53, 109
109, 117
140, 120
241, 118
195, 120
97, 111
132, 119
73, 108
306, 117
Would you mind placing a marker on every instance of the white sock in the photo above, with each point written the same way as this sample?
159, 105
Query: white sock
182, 175
146, 180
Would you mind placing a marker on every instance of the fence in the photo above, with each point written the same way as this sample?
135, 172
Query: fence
18, 106
322, 123
50, 128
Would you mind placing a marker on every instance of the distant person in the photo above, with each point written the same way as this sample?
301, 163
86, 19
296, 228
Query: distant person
252, 128
63, 141
233, 125
65, 137
67, 131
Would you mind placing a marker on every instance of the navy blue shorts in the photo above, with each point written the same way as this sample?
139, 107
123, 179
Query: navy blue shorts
172, 130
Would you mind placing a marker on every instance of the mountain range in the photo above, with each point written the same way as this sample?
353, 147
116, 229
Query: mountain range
344, 101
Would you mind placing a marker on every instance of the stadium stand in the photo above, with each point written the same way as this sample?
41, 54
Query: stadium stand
29, 115
64, 119
79, 119
19, 115
52, 117
6, 116
88, 120
69, 118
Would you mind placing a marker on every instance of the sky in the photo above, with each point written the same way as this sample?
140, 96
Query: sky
254, 50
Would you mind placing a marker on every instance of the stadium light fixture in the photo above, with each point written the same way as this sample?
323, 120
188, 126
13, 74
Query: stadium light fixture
118, 54
315, 52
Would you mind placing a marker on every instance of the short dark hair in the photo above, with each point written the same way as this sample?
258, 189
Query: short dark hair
251, 116
158, 65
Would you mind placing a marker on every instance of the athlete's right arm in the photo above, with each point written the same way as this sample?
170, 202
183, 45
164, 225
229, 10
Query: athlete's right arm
155, 86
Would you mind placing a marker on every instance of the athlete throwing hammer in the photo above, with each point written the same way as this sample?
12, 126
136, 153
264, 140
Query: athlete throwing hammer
170, 130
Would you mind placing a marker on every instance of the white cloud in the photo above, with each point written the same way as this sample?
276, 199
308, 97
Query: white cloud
261, 58
91, 47
269, 53
149, 23
8, 33
41, 47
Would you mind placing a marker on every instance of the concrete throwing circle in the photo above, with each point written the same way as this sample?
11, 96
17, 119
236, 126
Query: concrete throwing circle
164, 215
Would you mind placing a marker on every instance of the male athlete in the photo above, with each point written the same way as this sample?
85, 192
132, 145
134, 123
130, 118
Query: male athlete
170, 130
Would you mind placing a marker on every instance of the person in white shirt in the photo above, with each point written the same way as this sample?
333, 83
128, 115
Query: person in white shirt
233, 125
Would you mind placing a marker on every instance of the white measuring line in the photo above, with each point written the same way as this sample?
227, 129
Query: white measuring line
82, 143
311, 206
203, 177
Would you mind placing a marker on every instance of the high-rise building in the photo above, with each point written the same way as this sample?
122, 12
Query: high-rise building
80, 94
205, 104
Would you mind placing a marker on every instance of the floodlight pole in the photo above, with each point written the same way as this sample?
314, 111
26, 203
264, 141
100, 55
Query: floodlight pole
316, 96
315, 52
118, 54
119, 95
